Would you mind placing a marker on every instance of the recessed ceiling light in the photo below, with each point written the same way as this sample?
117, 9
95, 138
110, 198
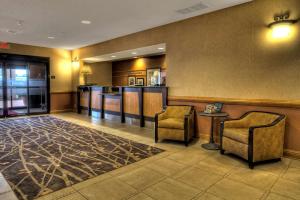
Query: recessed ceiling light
134, 53
51, 37
160, 48
113, 56
135, 57
86, 22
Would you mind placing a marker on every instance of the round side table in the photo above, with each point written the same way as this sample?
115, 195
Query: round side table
212, 145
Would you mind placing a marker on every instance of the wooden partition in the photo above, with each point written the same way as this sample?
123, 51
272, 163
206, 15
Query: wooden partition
134, 102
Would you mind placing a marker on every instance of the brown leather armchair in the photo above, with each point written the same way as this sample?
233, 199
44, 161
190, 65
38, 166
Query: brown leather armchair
175, 123
256, 136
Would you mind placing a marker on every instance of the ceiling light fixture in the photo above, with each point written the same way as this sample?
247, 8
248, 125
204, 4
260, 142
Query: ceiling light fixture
281, 27
134, 53
86, 22
113, 56
160, 48
51, 37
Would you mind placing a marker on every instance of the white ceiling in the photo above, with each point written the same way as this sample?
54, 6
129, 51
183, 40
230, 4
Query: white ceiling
158, 49
33, 21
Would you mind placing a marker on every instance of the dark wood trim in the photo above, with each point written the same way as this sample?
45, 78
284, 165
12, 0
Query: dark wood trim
132, 115
231, 101
141, 107
90, 101
150, 119
186, 130
121, 90
131, 89
102, 106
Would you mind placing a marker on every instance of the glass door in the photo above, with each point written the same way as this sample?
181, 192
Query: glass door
17, 89
37, 88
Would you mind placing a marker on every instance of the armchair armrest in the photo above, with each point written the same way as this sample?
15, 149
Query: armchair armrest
267, 140
161, 115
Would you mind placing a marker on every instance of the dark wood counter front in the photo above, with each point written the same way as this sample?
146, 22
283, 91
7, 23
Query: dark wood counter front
134, 102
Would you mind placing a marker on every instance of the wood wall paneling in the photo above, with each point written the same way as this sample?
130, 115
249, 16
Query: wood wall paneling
61, 102
111, 104
84, 99
121, 70
131, 102
152, 104
96, 99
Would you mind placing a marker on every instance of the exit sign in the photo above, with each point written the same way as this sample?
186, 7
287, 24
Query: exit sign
4, 45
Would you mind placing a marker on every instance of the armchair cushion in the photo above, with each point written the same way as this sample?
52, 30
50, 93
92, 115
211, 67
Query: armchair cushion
177, 111
237, 134
171, 123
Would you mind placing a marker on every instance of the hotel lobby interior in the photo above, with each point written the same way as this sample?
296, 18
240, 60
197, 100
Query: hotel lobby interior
150, 100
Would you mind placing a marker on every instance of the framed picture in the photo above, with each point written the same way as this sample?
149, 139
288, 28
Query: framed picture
140, 81
153, 77
131, 81
213, 108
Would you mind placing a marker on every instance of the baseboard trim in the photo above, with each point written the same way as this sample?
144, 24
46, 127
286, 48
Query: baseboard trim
291, 153
61, 111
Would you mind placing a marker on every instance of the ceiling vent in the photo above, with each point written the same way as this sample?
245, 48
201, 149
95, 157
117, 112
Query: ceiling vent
194, 8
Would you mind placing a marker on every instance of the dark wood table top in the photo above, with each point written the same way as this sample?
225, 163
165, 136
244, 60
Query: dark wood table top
221, 114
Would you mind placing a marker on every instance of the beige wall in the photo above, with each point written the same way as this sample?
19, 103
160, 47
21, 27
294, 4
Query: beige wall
60, 64
223, 54
101, 73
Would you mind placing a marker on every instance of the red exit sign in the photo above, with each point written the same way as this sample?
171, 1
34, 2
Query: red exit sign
4, 45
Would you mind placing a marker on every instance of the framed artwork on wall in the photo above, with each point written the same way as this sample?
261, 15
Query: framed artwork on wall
140, 81
131, 81
153, 77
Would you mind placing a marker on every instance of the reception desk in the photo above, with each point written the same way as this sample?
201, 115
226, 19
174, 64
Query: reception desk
133, 102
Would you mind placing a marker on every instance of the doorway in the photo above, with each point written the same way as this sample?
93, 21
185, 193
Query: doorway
24, 85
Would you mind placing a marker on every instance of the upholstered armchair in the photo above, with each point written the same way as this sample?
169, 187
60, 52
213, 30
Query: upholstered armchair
256, 137
175, 123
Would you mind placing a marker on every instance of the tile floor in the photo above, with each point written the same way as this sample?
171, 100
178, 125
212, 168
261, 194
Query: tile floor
178, 173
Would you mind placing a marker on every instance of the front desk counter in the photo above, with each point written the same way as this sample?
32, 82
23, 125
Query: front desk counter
140, 103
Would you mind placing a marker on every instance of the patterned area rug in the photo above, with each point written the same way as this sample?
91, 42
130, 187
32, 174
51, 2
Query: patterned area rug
40, 155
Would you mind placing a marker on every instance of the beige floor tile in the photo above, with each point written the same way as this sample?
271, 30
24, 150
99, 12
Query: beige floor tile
91, 181
170, 189
287, 188
140, 196
199, 178
124, 169
58, 194
233, 190
111, 189
256, 178
276, 167
141, 178
219, 164
4, 187
74, 196
207, 196
292, 174
8, 196
166, 166
273, 196
189, 156
295, 164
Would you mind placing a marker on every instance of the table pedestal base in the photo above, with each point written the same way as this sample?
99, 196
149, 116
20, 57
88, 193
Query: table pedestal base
210, 146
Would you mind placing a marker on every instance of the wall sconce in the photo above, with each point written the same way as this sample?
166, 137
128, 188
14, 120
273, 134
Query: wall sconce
75, 62
281, 27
